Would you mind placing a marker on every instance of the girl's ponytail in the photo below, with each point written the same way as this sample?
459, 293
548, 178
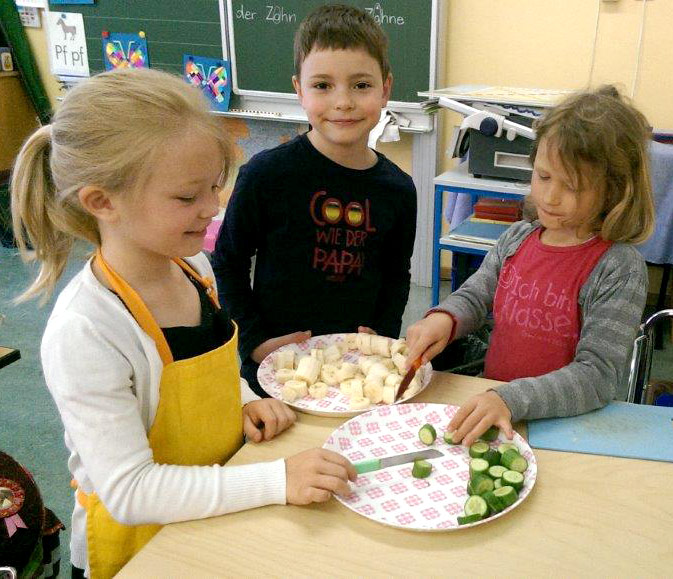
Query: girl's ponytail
36, 214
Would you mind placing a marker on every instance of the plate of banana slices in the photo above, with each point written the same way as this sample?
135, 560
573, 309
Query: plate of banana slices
340, 375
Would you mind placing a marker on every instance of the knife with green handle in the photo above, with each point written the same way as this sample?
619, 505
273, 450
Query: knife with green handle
373, 464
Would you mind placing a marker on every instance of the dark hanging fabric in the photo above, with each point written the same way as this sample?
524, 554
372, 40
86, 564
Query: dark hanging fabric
12, 30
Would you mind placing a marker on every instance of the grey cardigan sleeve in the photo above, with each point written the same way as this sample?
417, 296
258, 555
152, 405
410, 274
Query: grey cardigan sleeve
612, 301
472, 301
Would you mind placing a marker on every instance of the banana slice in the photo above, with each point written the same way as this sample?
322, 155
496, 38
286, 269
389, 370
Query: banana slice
328, 374
299, 386
332, 354
398, 346
359, 403
366, 362
318, 354
288, 393
378, 371
393, 380
373, 390
283, 359
318, 390
284, 374
380, 345
351, 341
400, 362
308, 369
365, 344
346, 371
389, 394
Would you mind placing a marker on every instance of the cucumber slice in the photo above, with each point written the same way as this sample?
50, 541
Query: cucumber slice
467, 519
496, 471
470, 490
492, 456
421, 469
494, 503
513, 479
448, 437
478, 466
514, 461
481, 483
506, 495
491, 434
497, 483
478, 449
476, 505
427, 434
505, 446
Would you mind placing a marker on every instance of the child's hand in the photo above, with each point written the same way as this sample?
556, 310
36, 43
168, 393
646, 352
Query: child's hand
428, 336
264, 419
271, 345
313, 475
477, 415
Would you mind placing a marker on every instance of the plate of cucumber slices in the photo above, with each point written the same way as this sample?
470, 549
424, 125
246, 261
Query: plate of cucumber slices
462, 488
340, 375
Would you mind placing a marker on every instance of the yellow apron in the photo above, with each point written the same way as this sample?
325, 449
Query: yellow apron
198, 422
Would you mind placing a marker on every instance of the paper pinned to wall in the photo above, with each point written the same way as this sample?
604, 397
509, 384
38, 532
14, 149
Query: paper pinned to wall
210, 75
121, 50
67, 44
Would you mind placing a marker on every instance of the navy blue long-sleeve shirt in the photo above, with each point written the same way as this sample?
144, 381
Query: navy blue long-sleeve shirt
332, 245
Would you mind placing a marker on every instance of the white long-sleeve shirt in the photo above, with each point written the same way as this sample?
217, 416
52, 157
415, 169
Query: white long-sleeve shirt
103, 372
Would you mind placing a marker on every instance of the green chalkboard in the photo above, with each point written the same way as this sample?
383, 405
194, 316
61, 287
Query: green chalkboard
261, 34
172, 27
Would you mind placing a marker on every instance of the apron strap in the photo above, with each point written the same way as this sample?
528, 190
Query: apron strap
138, 308
206, 282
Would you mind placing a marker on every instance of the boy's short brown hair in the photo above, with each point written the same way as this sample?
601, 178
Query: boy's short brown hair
602, 142
338, 26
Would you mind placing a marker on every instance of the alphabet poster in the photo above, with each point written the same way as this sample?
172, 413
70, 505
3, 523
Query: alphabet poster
210, 75
67, 44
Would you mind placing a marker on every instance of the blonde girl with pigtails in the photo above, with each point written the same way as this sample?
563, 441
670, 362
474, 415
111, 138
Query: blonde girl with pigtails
138, 354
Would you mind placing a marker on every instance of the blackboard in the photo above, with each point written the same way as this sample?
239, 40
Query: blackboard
173, 28
261, 34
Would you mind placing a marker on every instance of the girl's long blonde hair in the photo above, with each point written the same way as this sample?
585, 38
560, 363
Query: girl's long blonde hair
599, 131
106, 132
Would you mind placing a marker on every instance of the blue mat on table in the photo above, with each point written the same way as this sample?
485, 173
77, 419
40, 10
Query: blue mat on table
619, 429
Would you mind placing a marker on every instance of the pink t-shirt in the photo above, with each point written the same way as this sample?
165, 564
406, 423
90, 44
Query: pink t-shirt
535, 309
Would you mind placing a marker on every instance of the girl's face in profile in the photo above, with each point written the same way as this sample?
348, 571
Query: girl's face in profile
168, 217
563, 210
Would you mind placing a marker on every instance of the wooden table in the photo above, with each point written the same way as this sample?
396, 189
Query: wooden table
587, 516
8, 355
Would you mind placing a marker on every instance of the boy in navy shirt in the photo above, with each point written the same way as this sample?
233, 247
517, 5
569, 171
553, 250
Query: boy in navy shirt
331, 222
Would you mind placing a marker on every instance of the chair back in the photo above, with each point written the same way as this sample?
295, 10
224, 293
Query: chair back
641, 360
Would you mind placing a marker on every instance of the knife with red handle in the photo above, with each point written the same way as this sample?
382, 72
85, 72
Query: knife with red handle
408, 377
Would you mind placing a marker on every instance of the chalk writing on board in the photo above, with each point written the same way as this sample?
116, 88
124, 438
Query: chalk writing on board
273, 13
382, 18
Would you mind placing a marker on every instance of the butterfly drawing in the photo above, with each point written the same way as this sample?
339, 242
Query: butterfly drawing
212, 83
135, 56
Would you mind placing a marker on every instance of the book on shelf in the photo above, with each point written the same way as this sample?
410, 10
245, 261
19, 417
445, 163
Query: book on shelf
490, 205
495, 218
478, 231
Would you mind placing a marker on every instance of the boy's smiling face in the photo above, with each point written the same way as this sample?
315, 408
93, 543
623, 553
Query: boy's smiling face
342, 92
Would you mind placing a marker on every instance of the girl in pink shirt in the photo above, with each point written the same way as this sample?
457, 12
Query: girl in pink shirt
567, 290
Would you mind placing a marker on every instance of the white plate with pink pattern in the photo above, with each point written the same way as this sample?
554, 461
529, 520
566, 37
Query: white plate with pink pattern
336, 403
392, 496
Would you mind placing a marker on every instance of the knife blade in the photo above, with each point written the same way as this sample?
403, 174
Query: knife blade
386, 462
408, 377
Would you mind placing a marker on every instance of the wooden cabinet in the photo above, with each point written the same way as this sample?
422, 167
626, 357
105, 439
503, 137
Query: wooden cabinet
17, 118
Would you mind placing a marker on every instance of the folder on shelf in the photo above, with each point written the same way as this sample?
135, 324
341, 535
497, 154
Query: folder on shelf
478, 231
